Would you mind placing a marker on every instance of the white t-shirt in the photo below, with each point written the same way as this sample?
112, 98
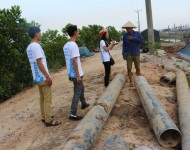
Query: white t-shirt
35, 51
71, 50
105, 55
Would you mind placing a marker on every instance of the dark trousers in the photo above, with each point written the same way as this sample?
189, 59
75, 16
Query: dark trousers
107, 68
78, 95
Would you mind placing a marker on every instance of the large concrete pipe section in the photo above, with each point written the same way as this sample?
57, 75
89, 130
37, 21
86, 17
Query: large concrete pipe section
188, 79
183, 98
86, 132
114, 142
167, 78
167, 133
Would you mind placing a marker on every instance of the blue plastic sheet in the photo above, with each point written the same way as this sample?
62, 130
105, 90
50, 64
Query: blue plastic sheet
185, 50
84, 52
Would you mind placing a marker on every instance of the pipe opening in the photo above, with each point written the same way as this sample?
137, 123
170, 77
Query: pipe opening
170, 138
173, 83
164, 81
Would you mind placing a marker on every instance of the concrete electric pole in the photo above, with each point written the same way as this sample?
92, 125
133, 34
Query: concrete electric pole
138, 11
150, 26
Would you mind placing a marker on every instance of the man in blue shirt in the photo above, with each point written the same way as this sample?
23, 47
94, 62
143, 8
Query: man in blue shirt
131, 49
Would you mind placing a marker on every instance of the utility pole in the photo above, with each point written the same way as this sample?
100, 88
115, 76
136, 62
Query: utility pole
137, 11
175, 33
150, 26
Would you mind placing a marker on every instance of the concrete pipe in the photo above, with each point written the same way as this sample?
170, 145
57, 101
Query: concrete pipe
86, 132
167, 133
114, 142
183, 98
167, 78
188, 79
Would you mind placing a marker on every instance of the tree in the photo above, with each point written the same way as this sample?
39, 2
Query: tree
123, 32
15, 73
64, 30
52, 43
34, 24
89, 36
113, 33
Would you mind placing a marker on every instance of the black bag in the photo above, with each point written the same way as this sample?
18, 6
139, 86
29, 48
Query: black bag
112, 62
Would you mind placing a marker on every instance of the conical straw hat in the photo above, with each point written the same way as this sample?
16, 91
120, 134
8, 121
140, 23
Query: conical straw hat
129, 24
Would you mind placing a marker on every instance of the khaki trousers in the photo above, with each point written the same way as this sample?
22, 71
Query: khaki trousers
45, 101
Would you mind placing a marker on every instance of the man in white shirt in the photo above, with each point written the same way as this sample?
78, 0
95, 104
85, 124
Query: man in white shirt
41, 75
75, 73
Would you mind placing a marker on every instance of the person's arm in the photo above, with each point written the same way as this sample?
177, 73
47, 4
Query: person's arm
43, 70
75, 64
138, 38
109, 47
75, 54
124, 48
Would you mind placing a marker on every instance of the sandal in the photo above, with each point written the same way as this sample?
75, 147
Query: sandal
43, 120
52, 123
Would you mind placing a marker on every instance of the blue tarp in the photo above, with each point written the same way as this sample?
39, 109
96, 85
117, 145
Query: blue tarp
84, 52
185, 51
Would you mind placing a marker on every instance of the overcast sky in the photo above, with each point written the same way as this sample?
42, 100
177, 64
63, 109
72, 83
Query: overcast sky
55, 14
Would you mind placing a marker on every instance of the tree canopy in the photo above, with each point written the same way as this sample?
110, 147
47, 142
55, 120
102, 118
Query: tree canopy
14, 67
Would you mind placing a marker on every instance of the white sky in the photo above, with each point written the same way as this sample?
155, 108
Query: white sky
55, 14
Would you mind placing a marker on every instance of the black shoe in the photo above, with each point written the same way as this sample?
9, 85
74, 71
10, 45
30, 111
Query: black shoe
85, 106
75, 117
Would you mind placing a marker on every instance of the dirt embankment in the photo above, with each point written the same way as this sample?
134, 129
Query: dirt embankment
21, 128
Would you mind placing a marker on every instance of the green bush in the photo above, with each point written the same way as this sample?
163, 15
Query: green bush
15, 73
52, 43
89, 36
113, 33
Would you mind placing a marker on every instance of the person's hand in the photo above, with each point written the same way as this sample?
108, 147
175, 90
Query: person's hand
79, 80
70, 79
125, 57
49, 81
113, 42
130, 37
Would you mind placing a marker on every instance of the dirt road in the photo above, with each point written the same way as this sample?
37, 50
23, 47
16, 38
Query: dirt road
21, 128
